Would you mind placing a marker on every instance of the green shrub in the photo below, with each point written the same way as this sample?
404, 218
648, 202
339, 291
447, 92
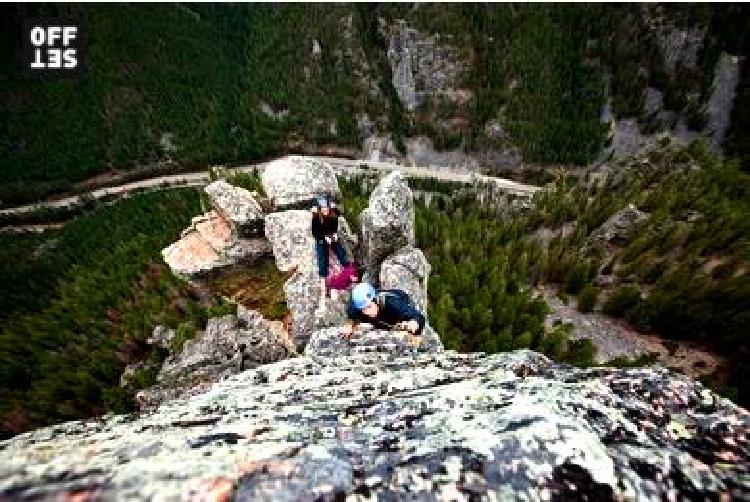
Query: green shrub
576, 277
275, 311
624, 301
184, 332
117, 400
249, 181
580, 352
645, 359
587, 298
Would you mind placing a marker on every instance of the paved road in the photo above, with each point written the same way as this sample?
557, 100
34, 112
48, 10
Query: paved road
39, 228
441, 173
339, 164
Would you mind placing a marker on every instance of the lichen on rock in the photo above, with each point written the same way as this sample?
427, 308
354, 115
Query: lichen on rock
293, 181
407, 270
381, 420
238, 206
229, 344
387, 224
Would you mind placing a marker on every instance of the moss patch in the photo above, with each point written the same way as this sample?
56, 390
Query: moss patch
259, 287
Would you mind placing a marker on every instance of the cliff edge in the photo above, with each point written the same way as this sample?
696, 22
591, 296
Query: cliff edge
379, 420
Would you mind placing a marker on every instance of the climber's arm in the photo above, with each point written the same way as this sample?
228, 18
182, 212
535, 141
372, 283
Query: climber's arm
408, 313
356, 316
353, 316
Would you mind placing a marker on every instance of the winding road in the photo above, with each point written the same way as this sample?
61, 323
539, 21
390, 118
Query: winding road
340, 165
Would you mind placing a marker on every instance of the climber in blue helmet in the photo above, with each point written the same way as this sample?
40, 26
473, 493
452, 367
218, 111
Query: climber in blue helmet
384, 309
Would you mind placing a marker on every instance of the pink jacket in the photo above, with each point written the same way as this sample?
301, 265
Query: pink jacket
343, 279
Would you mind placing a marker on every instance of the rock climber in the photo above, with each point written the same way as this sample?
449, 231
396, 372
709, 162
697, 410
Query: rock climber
325, 226
344, 279
384, 309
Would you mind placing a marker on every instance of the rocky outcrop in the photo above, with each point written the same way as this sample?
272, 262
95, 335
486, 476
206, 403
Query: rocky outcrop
379, 148
237, 206
291, 238
619, 228
616, 338
680, 47
387, 224
302, 292
227, 235
421, 65
293, 181
421, 151
229, 344
397, 424
654, 102
328, 342
721, 103
210, 244
407, 270
162, 336
269, 111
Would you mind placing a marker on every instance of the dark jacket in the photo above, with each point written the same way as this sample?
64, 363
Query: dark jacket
322, 227
395, 307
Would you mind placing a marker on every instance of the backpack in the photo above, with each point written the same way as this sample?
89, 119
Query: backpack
380, 298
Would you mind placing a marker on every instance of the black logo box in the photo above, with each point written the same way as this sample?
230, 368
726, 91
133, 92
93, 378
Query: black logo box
28, 50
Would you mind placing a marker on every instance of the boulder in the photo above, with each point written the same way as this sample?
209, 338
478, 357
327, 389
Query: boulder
654, 101
387, 224
303, 300
328, 342
210, 244
247, 251
333, 312
619, 228
348, 238
229, 344
294, 181
380, 148
407, 270
162, 336
302, 292
402, 424
429, 340
291, 239
238, 206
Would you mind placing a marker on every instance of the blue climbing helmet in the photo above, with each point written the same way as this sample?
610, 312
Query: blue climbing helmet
322, 201
362, 294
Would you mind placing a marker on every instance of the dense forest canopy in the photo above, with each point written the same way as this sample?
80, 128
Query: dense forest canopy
183, 85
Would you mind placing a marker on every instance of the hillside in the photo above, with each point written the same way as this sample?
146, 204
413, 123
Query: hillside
173, 87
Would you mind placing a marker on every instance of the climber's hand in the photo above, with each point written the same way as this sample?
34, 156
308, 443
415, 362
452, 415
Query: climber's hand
347, 330
410, 326
328, 239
